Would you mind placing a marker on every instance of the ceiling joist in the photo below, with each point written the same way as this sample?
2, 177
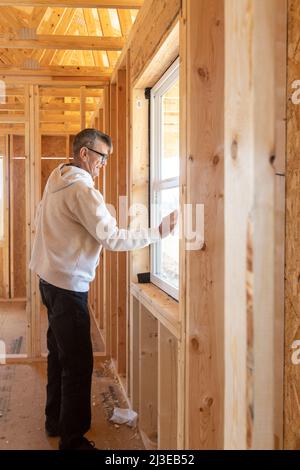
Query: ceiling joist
75, 3
58, 71
45, 41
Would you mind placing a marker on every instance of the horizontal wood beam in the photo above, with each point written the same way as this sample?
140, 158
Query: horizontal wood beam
76, 3
76, 43
12, 118
62, 92
62, 118
57, 71
12, 107
62, 107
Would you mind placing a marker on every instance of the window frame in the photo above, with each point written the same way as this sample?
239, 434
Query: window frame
156, 183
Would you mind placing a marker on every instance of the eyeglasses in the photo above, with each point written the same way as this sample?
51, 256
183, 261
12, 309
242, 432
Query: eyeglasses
103, 156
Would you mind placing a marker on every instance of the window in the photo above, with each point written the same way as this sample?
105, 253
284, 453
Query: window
1, 199
165, 177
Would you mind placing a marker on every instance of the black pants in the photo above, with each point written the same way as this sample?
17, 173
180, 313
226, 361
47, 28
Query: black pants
70, 362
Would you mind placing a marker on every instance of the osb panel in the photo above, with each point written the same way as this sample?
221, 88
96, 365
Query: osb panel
18, 146
54, 146
47, 167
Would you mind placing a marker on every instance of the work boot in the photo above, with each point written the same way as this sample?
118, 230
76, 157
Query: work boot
81, 444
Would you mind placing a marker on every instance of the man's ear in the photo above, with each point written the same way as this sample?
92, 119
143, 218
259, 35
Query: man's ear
82, 154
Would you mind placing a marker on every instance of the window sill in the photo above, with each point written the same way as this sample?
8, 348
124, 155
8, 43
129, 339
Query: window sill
160, 305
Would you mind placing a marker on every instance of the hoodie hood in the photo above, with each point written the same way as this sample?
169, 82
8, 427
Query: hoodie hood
65, 175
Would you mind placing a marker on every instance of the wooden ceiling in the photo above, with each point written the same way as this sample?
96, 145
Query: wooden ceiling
66, 38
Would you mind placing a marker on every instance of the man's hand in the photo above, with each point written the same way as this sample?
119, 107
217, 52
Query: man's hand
168, 224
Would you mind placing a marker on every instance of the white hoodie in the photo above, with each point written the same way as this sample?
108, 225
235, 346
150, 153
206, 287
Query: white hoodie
72, 225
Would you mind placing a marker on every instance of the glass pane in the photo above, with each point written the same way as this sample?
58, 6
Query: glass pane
167, 263
170, 133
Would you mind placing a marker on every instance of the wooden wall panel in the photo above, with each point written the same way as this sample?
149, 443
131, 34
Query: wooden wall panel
249, 224
122, 219
54, 146
292, 244
113, 162
48, 165
204, 405
279, 165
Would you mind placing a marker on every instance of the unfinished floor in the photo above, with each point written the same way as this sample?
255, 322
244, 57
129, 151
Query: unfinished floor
22, 399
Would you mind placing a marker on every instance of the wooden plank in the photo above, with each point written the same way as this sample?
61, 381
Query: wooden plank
18, 220
250, 244
134, 353
204, 264
292, 242
11, 118
183, 72
162, 60
148, 376
5, 243
46, 117
44, 41
167, 389
125, 21
76, 3
82, 108
75, 107
122, 212
37, 16
279, 164
146, 36
92, 31
113, 163
107, 30
61, 27
64, 91
33, 196
60, 81
139, 176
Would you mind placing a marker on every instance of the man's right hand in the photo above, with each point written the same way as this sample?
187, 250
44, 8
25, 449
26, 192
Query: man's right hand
168, 224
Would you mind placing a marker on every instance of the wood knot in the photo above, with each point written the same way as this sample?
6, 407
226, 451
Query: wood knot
234, 150
195, 343
272, 159
216, 159
218, 22
203, 73
191, 158
208, 401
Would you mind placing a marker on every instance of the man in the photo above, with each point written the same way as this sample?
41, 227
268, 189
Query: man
72, 226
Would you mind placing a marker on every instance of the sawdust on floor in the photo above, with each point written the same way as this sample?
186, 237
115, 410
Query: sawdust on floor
22, 399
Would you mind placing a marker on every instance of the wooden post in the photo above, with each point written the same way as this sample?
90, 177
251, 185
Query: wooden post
33, 195
292, 243
122, 219
82, 107
204, 87
280, 182
249, 222
114, 201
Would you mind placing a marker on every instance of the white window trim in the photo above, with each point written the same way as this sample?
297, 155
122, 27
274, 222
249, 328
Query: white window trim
157, 184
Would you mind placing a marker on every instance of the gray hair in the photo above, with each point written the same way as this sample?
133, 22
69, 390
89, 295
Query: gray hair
87, 138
